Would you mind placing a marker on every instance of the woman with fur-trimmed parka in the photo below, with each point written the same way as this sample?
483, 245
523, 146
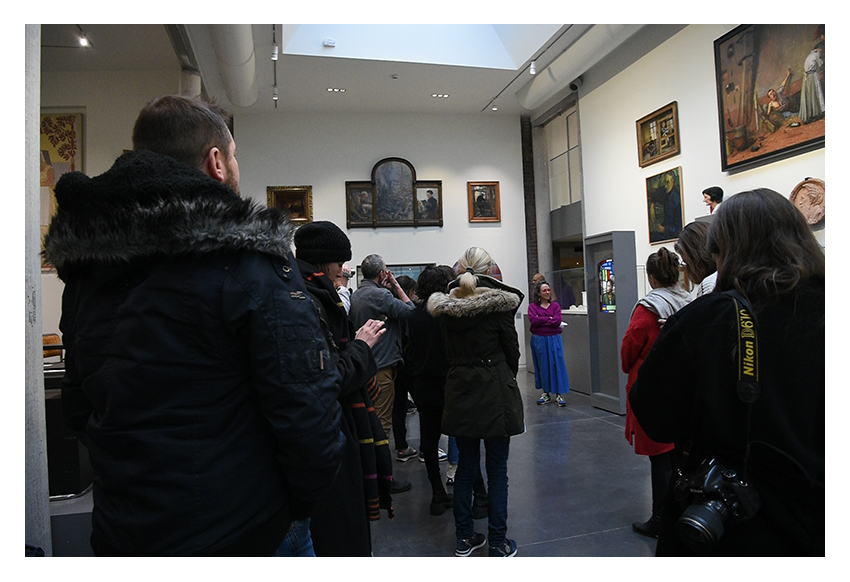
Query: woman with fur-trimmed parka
482, 400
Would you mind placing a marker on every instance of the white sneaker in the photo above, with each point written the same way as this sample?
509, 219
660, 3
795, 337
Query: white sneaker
441, 455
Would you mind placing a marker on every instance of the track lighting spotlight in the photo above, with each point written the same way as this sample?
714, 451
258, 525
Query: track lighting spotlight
533, 68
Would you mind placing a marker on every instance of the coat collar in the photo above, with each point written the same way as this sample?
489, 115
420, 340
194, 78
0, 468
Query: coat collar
152, 205
485, 300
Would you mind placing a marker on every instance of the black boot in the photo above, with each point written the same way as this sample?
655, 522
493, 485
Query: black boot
649, 528
440, 502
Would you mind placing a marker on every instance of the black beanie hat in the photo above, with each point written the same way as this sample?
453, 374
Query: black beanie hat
322, 242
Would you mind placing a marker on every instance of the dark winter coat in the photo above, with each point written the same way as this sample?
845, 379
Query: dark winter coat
196, 365
340, 524
429, 361
686, 391
482, 396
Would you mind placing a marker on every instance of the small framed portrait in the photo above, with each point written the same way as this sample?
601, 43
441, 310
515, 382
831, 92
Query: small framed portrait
658, 135
429, 204
297, 201
360, 205
483, 202
664, 205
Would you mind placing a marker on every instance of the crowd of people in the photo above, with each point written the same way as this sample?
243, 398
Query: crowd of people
236, 398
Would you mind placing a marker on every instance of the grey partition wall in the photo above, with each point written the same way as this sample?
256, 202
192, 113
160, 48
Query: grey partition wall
607, 326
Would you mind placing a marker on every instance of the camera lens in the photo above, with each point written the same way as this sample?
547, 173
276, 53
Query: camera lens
701, 524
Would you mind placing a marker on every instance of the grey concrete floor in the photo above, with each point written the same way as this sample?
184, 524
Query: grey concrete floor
575, 486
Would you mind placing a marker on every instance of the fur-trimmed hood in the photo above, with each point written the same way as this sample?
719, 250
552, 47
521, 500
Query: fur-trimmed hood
148, 205
490, 296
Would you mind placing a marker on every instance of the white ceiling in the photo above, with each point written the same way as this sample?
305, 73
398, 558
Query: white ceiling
383, 68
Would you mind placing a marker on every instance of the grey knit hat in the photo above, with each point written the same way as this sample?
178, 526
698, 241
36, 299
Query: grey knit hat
322, 242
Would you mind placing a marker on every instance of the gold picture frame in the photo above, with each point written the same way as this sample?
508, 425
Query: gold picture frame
658, 135
297, 201
483, 202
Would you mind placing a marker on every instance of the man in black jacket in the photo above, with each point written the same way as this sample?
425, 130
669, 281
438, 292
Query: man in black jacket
196, 367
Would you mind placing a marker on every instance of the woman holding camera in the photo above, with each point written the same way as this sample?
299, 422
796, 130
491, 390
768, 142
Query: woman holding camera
687, 391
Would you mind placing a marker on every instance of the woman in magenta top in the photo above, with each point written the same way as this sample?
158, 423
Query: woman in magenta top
547, 348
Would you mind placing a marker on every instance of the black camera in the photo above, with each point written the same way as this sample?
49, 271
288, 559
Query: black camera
715, 495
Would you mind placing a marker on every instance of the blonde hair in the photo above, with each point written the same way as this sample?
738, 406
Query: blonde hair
474, 261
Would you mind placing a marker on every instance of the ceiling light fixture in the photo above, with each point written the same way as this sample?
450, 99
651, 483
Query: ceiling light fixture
533, 68
84, 41
274, 65
335, 90
440, 95
493, 106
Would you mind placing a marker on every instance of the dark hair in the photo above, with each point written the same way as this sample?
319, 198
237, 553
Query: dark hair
699, 263
184, 128
715, 193
372, 266
535, 293
765, 245
664, 266
433, 280
406, 283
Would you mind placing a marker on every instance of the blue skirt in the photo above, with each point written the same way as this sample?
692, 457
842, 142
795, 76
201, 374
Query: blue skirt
550, 371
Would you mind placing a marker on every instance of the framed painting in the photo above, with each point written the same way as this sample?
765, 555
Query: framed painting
360, 205
393, 183
658, 135
770, 93
664, 205
429, 203
297, 201
483, 200
60, 151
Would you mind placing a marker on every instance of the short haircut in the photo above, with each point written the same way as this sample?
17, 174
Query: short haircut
372, 266
664, 266
184, 128
433, 280
766, 247
715, 193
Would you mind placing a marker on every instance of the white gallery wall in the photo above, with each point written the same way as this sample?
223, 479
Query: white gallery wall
681, 70
324, 151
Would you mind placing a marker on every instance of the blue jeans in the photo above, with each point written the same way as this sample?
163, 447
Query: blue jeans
298, 542
496, 461
452, 452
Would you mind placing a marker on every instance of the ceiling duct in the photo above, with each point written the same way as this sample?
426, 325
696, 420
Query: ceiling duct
588, 50
234, 50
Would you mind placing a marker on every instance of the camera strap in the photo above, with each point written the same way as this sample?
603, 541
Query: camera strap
748, 364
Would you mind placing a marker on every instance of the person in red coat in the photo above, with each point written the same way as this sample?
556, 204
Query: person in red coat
648, 316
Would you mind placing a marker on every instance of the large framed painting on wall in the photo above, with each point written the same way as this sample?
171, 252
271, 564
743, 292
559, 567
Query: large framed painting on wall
394, 197
664, 205
393, 180
770, 92
60, 151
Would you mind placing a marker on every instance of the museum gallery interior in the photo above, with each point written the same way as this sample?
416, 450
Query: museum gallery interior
559, 148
